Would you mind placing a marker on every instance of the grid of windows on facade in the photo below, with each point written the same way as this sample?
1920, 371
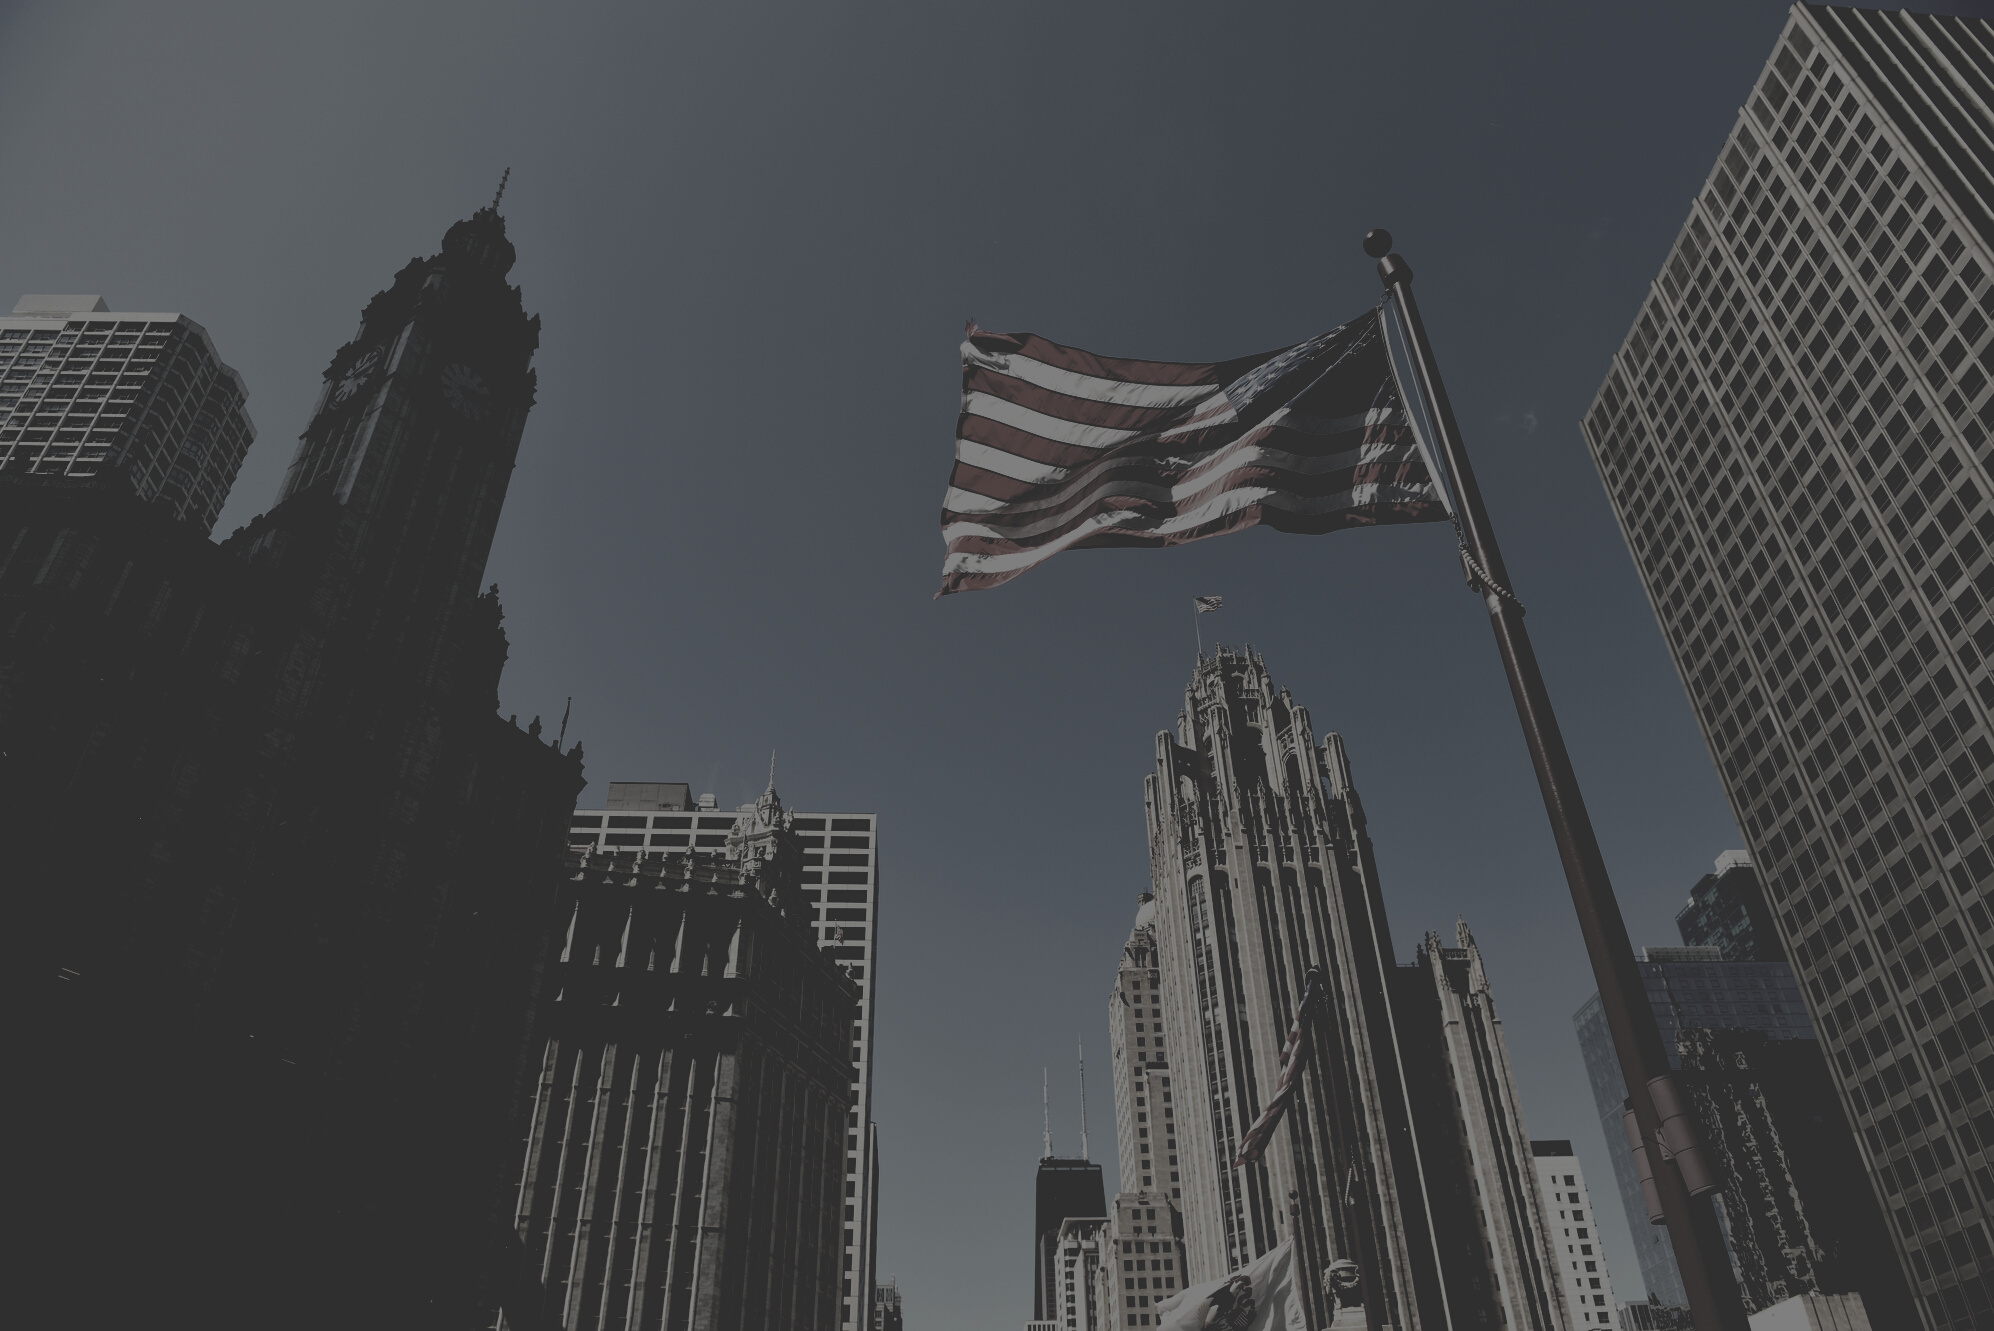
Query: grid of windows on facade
1146, 1261
1796, 436
1078, 1260
145, 392
1692, 987
1568, 1208
1153, 1113
840, 880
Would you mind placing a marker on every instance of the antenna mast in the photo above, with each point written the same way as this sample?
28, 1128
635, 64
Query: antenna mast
1081, 1050
1045, 1078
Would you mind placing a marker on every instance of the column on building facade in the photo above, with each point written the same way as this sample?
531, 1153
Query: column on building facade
686, 1158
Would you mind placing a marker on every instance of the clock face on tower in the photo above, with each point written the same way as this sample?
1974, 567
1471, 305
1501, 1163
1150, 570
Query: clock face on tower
357, 375
466, 393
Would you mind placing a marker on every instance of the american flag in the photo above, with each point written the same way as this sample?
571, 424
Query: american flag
1205, 603
1059, 449
1284, 1089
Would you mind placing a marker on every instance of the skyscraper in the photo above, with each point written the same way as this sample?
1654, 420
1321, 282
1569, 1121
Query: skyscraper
1799, 1218
839, 877
1144, 1264
1262, 869
685, 1161
1727, 910
1795, 440
1561, 1183
313, 931
1145, 1115
1065, 1190
142, 399
1688, 989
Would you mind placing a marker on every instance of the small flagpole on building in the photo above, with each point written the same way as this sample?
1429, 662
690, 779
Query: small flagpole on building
1680, 1170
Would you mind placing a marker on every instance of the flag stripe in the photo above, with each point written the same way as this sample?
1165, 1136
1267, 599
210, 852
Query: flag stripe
1034, 347
1057, 449
1022, 372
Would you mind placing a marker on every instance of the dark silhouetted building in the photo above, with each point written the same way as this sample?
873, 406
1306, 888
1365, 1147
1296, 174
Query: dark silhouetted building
1067, 1190
1795, 436
839, 877
293, 874
1798, 1213
686, 1154
1727, 910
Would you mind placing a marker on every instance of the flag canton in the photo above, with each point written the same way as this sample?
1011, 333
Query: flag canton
1243, 391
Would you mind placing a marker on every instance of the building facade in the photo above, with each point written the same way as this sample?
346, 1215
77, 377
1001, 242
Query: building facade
1561, 1186
1795, 438
315, 929
839, 877
1688, 989
1064, 1190
1479, 1160
1144, 1263
144, 398
1262, 869
1798, 1214
1727, 910
686, 1147
1145, 1113
1081, 1254
887, 1313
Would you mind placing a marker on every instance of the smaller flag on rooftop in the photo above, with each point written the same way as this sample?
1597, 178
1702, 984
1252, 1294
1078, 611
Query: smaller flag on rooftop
1205, 603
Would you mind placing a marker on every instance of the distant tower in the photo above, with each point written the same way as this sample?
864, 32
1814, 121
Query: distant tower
1081, 1053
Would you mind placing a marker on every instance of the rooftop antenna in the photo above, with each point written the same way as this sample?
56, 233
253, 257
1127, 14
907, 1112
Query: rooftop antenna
1046, 1090
1082, 1051
501, 189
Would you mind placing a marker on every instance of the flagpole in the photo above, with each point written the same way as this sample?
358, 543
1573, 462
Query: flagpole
1693, 1233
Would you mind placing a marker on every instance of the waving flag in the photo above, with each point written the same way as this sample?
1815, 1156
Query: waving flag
1284, 1089
1059, 449
1205, 603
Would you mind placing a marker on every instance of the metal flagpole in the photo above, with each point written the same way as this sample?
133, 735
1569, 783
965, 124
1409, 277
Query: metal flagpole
1681, 1174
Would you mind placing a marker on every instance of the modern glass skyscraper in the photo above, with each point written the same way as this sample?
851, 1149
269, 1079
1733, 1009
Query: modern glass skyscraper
1795, 440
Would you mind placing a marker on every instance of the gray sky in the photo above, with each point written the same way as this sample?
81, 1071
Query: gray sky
754, 232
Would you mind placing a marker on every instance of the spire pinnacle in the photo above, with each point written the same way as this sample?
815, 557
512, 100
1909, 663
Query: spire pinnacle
501, 189
1081, 1051
771, 769
1046, 1090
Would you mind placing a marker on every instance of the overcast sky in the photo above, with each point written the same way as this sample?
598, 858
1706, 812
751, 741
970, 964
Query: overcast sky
753, 233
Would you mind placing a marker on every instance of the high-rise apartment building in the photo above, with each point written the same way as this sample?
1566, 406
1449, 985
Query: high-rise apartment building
1795, 437
1727, 910
1145, 1115
1561, 1183
1262, 869
145, 398
839, 877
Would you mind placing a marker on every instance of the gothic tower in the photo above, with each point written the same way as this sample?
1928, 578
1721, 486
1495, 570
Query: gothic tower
314, 929
1262, 868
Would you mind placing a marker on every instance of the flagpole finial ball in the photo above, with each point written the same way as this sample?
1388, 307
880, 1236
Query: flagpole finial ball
1378, 242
